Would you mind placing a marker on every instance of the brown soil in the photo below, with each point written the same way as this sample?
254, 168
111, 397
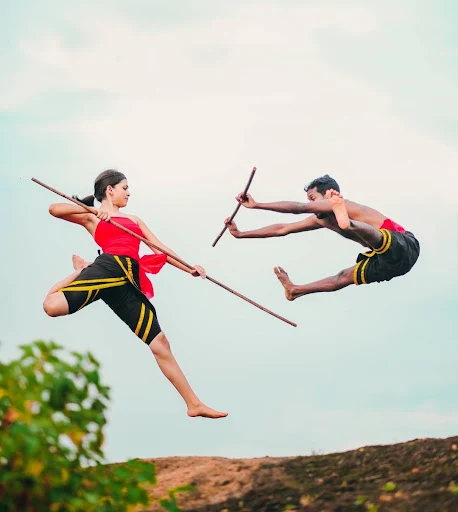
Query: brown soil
420, 476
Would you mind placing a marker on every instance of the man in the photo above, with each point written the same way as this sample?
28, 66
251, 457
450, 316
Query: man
393, 252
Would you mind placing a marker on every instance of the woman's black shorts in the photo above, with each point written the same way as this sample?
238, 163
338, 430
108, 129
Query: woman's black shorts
114, 280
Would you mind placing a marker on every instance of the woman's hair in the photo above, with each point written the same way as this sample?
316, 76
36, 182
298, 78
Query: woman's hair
111, 177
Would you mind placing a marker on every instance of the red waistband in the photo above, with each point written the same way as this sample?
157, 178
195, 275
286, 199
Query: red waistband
392, 226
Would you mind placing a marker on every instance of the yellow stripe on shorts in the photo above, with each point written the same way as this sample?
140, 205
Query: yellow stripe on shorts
148, 326
140, 320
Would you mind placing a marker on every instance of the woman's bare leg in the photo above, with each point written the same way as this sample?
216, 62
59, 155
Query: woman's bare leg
160, 347
55, 303
79, 263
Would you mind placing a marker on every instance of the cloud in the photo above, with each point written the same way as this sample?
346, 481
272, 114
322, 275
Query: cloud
115, 56
196, 101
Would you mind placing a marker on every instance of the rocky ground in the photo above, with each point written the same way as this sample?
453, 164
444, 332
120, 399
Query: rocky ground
420, 475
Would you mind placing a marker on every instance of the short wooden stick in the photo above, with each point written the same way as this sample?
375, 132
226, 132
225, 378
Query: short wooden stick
237, 208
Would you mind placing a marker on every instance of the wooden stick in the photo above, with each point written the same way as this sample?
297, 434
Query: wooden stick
237, 208
150, 244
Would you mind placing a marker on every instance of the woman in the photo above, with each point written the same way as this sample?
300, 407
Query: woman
118, 277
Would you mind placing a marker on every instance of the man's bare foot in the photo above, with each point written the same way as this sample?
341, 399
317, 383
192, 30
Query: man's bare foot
79, 263
338, 207
205, 412
286, 283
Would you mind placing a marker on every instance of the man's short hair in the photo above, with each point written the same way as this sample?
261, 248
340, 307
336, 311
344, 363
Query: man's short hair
322, 184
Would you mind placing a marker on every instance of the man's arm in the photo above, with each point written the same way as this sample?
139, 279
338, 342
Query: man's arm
308, 224
321, 206
355, 210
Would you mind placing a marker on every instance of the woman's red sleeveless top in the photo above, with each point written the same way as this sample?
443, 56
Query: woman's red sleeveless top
113, 240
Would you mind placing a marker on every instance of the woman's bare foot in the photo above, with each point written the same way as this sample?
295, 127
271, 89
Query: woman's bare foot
338, 207
286, 283
205, 412
79, 263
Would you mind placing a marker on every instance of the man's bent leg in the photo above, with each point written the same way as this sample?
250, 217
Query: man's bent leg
368, 235
330, 284
371, 236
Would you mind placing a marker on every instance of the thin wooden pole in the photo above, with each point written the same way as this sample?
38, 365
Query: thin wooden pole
150, 244
237, 208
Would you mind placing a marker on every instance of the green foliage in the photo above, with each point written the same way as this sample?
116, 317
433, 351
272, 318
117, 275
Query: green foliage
389, 486
452, 487
360, 500
372, 507
171, 503
364, 500
52, 413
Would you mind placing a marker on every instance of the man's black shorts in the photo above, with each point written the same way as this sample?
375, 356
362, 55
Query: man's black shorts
395, 257
114, 280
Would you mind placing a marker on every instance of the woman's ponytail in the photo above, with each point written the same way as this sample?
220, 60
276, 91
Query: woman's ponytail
88, 200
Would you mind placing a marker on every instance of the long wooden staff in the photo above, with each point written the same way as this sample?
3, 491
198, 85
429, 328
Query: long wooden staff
150, 244
237, 208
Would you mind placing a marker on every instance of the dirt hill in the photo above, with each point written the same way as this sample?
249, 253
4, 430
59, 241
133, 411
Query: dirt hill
420, 475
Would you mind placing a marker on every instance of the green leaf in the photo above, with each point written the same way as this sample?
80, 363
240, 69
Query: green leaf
168, 505
93, 377
135, 494
122, 473
184, 488
452, 487
372, 507
389, 486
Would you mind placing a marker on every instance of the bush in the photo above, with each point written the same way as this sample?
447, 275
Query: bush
52, 413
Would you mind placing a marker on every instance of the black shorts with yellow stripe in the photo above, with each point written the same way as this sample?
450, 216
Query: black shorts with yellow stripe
114, 280
395, 257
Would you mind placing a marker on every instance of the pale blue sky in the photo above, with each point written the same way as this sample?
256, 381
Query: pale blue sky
185, 100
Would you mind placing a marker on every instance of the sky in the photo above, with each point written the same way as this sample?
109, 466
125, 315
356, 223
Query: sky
185, 98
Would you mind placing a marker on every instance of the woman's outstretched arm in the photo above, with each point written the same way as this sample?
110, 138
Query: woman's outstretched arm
149, 235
